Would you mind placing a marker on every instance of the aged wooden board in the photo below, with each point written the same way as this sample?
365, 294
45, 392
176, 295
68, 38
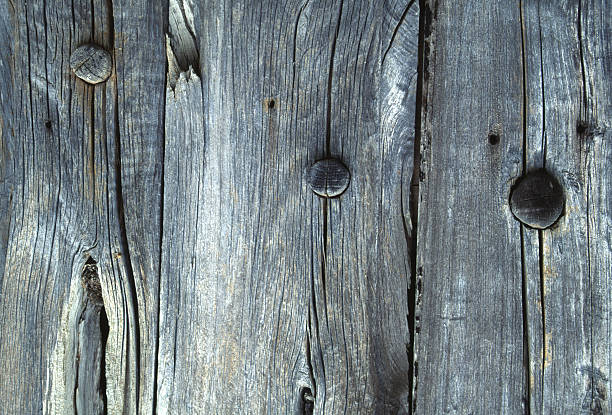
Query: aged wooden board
161, 250
469, 350
76, 158
281, 291
568, 83
228, 286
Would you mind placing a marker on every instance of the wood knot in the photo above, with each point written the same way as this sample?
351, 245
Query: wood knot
91, 63
537, 199
328, 177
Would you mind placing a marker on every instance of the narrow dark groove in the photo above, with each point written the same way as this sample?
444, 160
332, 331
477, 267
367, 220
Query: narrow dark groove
309, 357
395, 30
524, 86
329, 82
92, 151
161, 224
133, 304
314, 322
104, 330
588, 245
307, 394
324, 203
412, 237
525, 304
543, 305
582, 69
544, 138
585, 119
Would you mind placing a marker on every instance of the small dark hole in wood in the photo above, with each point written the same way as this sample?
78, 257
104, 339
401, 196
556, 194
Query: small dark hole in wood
582, 127
271, 104
494, 139
48, 124
307, 401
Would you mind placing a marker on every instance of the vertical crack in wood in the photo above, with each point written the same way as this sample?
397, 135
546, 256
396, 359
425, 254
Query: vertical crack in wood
544, 138
395, 30
526, 352
132, 306
91, 335
412, 236
426, 17
330, 81
585, 119
307, 395
525, 302
182, 47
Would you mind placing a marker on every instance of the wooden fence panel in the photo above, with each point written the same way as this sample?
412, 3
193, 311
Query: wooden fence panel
162, 251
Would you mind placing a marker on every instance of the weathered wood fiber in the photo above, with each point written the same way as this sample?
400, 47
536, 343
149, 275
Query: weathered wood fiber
568, 87
62, 142
469, 351
252, 320
50, 211
359, 316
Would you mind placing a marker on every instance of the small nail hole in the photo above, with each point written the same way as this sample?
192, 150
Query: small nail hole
494, 139
582, 127
48, 124
271, 104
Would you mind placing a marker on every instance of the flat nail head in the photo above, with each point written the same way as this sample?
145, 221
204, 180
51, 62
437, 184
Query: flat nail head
537, 200
328, 177
91, 63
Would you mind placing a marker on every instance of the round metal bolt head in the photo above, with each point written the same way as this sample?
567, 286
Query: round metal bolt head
91, 63
537, 200
328, 177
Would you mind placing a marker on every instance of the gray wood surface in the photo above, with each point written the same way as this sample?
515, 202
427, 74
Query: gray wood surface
567, 70
162, 251
469, 346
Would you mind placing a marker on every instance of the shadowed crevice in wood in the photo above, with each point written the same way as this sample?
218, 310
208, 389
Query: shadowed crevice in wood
414, 294
132, 300
182, 47
90, 337
411, 236
524, 276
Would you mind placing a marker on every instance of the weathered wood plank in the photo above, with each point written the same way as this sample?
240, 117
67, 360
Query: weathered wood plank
236, 232
568, 91
469, 348
363, 266
140, 64
59, 135
50, 213
242, 252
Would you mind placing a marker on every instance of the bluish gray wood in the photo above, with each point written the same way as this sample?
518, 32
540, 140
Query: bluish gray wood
568, 84
469, 347
248, 321
60, 142
362, 267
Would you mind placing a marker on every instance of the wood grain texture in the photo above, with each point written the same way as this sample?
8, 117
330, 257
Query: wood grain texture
60, 141
469, 350
567, 70
244, 237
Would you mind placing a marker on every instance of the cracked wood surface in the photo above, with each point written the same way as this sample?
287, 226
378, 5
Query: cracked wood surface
569, 267
229, 287
513, 319
180, 186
